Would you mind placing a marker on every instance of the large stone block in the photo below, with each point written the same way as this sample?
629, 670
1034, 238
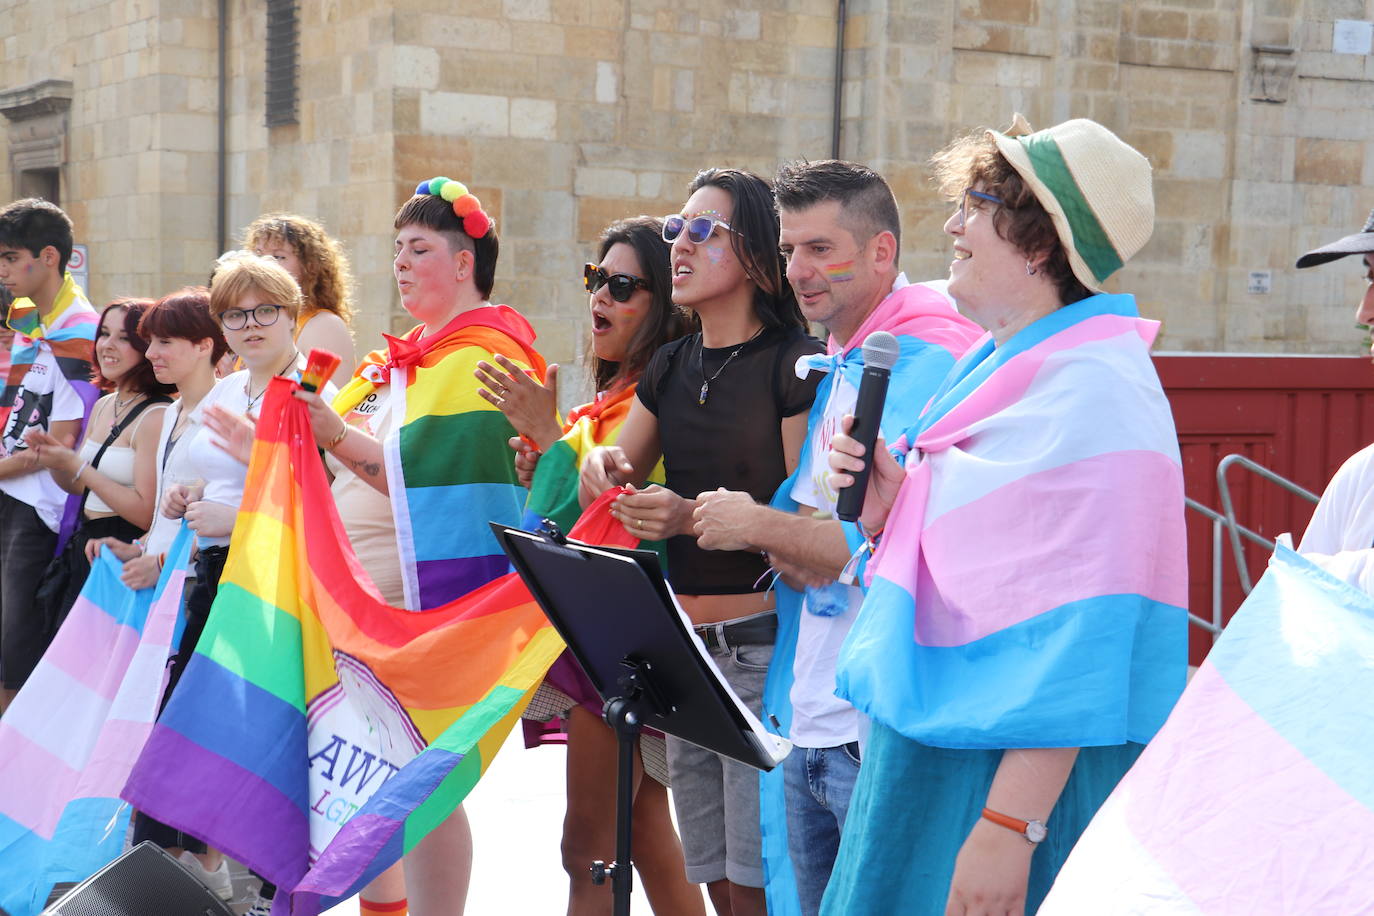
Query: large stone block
1338, 162
464, 114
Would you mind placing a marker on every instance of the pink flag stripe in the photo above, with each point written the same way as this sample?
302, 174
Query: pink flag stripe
1041, 567
95, 650
32, 764
1016, 375
1221, 819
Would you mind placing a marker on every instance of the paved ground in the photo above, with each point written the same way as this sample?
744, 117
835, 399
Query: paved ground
516, 813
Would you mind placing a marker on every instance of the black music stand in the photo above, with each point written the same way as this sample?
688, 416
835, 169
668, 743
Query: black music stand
616, 613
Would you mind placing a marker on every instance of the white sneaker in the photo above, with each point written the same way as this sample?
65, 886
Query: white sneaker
218, 881
261, 907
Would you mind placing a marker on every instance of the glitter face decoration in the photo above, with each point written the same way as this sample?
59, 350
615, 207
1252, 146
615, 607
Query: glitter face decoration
842, 272
715, 254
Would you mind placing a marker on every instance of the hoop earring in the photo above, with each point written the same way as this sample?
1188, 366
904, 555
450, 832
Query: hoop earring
1030, 271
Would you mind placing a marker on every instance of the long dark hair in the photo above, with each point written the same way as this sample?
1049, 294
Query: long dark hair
755, 243
140, 377
664, 322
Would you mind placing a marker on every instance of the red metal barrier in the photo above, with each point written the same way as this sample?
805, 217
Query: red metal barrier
1300, 416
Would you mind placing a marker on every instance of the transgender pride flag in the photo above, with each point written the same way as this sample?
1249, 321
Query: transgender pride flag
1257, 796
73, 733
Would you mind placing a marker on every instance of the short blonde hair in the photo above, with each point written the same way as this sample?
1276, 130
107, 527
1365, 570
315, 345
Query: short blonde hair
242, 274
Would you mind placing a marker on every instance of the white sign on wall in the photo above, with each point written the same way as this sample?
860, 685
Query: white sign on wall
80, 268
1260, 281
1351, 36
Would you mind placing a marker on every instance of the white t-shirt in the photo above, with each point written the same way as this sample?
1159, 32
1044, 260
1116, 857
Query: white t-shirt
1344, 519
223, 473
45, 397
819, 718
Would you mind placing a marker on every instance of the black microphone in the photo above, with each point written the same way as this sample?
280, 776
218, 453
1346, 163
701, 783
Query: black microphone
880, 355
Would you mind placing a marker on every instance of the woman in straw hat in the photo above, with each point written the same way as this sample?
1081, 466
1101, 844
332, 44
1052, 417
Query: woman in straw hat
1024, 633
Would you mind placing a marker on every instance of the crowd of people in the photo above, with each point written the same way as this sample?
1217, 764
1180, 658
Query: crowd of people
964, 673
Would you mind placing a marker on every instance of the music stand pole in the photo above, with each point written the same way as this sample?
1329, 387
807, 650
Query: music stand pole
625, 715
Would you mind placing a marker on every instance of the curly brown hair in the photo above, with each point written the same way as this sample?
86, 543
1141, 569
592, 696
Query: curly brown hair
326, 281
974, 161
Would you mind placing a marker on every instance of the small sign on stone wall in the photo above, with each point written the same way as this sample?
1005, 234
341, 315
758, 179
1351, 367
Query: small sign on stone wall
1260, 281
1351, 36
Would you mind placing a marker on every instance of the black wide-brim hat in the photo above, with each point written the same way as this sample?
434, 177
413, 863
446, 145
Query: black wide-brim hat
1359, 243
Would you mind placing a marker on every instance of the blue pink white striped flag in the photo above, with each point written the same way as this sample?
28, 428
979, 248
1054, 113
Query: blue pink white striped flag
72, 735
1257, 796
995, 617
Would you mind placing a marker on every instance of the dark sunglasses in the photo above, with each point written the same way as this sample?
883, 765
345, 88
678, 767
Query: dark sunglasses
622, 286
698, 228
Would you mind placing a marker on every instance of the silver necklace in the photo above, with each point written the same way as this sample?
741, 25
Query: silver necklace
121, 406
247, 384
701, 365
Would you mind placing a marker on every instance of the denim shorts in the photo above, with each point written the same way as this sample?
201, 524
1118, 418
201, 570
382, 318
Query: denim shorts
717, 799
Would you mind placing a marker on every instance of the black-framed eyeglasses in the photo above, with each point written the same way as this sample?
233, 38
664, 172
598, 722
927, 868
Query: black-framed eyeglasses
263, 315
622, 286
978, 196
698, 228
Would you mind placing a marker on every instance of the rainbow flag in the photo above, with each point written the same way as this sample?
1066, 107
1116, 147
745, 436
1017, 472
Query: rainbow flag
319, 734
71, 737
553, 492
445, 458
1257, 795
995, 619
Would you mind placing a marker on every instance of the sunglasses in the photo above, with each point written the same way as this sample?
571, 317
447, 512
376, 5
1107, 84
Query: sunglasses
622, 286
698, 228
237, 319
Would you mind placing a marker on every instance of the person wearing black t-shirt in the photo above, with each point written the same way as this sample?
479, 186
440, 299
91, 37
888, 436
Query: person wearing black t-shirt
723, 408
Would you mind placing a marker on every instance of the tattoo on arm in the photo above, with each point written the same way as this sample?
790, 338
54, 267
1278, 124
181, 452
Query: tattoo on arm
365, 467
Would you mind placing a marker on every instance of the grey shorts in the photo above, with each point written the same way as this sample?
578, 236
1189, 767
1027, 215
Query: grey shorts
717, 799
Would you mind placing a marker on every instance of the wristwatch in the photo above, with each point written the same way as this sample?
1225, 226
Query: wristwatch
1032, 831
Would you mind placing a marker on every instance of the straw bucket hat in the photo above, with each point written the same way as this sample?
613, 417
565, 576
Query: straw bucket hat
1096, 189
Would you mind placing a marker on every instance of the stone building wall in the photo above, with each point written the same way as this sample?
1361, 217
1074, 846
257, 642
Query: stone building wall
565, 114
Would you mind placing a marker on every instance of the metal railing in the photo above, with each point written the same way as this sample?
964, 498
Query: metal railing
1228, 507
1235, 532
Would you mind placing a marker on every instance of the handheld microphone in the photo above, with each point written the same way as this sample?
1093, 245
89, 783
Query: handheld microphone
880, 355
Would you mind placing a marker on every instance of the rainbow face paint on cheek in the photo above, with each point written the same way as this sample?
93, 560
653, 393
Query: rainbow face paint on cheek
840, 273
715, 254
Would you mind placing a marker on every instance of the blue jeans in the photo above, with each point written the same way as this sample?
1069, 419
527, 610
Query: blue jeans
819, 782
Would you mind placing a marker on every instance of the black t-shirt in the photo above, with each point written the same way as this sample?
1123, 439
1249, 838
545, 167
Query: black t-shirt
734, 440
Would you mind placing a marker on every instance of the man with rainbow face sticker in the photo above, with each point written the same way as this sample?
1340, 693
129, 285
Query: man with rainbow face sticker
841, 237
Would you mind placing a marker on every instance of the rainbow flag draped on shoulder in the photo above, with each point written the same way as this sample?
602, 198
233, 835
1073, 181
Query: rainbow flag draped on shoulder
433, 474
318, 734
69, 333
553, 492
71, 737
1257, 796
994, 618
554, 495
931, 336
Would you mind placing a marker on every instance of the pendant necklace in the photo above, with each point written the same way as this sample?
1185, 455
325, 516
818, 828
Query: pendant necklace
247, 390
701, 364
121, 406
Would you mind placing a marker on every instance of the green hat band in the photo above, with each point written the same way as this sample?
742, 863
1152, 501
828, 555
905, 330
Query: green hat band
1089, 238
